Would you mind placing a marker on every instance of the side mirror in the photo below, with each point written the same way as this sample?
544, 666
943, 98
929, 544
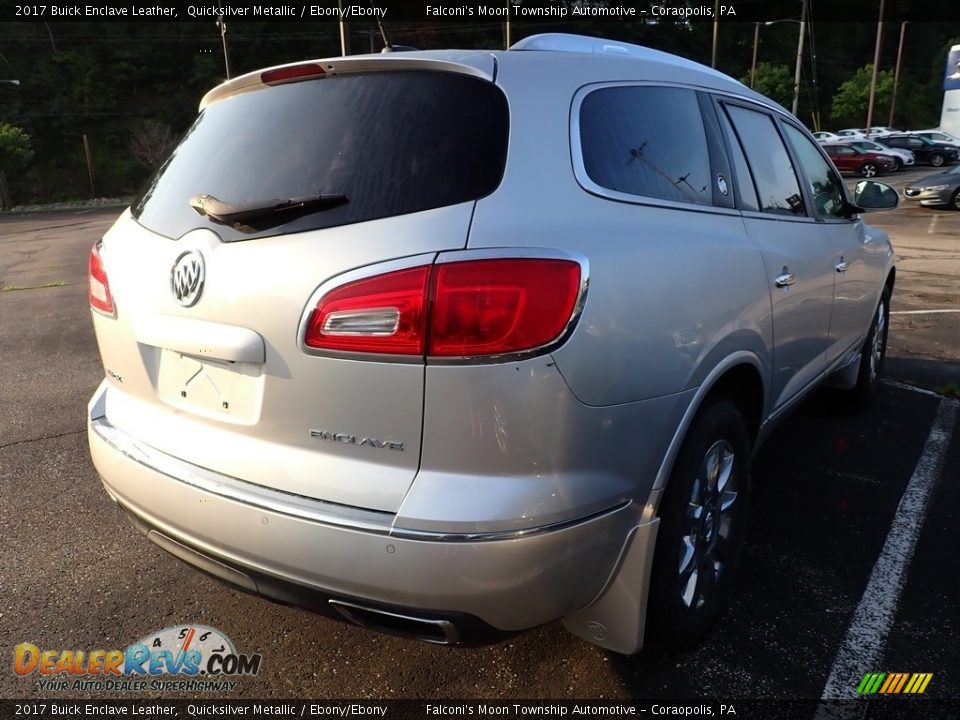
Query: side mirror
871, 196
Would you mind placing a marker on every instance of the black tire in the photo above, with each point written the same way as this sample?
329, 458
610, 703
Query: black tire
869, 170
897, 164
955, 200
696, 534
936, 160
873, 354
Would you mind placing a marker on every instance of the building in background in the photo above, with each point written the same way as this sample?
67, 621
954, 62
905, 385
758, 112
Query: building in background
950, 116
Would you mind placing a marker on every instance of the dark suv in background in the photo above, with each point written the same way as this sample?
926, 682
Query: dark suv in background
925, 151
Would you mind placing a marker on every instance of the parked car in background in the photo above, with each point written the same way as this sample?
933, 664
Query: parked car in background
925, 151
848, 133
938, 190
862, 162
937, 136
824, 136
901, 158
380, 367
880, 131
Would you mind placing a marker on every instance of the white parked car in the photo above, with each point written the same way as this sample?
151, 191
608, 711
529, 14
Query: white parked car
848, 133
824, 136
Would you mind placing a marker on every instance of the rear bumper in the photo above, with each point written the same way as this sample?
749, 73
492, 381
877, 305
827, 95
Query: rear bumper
334, 560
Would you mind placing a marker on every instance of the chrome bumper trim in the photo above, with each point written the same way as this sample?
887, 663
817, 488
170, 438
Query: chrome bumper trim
305, 508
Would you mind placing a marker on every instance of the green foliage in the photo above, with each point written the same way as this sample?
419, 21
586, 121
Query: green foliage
15, 149
850, 103
774, 81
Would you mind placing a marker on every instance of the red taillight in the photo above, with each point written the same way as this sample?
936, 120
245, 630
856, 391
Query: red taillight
492, 307
380, 314
304, 71
461, 309
98, 288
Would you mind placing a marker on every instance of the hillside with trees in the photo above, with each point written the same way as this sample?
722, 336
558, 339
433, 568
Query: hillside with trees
121, 93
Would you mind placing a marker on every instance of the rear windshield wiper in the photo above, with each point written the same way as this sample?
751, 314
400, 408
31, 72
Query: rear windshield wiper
227, 213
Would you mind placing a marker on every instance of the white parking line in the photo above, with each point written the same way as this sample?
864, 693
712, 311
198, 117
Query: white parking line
933, 225
924, 312
911, 388
862, 647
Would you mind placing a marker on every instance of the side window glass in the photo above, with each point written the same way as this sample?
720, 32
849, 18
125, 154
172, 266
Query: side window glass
646, 141
746, 193
773, 173
825, 186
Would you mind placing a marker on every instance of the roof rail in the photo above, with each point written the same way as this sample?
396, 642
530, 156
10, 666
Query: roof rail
563, 42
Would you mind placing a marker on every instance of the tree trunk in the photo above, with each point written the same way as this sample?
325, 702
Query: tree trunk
6, 202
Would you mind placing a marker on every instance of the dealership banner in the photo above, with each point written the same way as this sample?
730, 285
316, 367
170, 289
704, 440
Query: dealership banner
882, 707
536, 11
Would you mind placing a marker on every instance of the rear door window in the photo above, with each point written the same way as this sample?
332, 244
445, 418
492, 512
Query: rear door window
392, 142
773, 173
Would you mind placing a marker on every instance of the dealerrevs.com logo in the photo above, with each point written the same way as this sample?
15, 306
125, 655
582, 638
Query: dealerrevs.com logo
187, 658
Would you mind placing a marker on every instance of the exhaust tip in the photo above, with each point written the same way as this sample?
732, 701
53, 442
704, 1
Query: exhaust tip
438, 632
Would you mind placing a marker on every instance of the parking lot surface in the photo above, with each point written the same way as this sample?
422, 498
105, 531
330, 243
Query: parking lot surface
828, 488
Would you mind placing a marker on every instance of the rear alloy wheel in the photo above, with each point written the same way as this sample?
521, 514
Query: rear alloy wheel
868, 170
873, 352
702, 522
936, 159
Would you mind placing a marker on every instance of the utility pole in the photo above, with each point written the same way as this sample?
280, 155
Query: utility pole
873, 79
756, 41
896, 74
222, 24
716, 28
344, 32
796, 74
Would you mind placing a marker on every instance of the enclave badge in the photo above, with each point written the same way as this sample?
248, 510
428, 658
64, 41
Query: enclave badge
186, 278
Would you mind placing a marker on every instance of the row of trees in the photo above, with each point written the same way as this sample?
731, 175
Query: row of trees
131, 88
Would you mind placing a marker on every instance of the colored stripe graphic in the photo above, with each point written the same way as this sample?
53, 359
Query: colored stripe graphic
894, 683
871, 683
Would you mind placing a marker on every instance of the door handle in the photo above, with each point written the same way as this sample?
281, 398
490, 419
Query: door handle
842, 266
785, 278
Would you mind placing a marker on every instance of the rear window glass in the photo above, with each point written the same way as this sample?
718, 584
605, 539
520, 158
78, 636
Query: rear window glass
646, 141
392, 142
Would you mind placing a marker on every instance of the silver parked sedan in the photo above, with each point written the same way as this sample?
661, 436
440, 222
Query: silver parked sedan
937, 190
453, 344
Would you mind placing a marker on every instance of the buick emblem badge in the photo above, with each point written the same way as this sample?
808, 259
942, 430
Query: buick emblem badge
186, 278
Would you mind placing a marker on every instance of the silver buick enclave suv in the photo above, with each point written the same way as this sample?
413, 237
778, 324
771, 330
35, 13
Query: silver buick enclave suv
453, 344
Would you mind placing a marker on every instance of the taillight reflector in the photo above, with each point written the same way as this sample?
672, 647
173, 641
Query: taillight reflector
471, 308
98, 287
304, 71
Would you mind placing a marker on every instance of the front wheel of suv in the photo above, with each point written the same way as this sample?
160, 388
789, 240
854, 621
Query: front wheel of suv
868, 170
936, 160
702, 522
